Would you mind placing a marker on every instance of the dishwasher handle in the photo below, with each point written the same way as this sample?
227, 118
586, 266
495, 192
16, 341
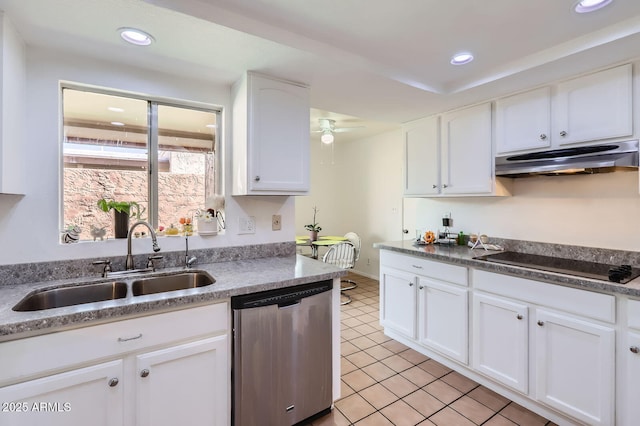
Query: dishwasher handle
288, 303
282, 297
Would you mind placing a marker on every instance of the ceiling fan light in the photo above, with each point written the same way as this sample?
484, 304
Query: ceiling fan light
586, 6
327, 137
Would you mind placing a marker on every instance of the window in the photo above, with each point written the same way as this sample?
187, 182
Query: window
161, 155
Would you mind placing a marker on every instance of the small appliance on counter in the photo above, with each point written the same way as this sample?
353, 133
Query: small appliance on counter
446, 237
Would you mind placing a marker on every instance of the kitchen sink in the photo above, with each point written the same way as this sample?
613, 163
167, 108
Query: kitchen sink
180, 281
68, 296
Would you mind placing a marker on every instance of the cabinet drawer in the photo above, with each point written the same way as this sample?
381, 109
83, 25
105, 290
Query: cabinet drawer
634, 314
580, 302
56, 351
428, 268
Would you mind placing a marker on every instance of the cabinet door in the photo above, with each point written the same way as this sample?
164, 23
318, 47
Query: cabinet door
186, 384
278, 136
523, 121
86, 396
422, 157
443, 318
467, 159
501, 340
575, 367
593, 107
398, 301
632, 380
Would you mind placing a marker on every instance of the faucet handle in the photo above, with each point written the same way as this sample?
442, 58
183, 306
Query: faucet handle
150, 263
107, 266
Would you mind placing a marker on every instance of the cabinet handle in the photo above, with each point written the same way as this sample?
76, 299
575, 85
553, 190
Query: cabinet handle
563, 133
543, 137
410, 284
113, 382
126, 339
445, 186
519, 316
417, 266
540, 323
144, 373
257, 178
434, 186
421, 287
634, 349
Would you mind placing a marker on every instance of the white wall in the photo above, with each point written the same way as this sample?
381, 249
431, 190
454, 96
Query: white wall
29, 225
586, 210
359, 193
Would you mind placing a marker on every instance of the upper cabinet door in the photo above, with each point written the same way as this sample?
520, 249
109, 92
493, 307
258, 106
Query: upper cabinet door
467, 158
270, 137
593, 107
523, 121
422, 157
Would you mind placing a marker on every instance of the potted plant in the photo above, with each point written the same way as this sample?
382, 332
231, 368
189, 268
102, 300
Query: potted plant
122, 210
314, 227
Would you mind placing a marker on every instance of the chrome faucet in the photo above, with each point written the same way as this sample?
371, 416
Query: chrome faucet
188, 261
156, 248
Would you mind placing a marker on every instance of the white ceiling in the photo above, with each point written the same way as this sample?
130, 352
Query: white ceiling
385, 61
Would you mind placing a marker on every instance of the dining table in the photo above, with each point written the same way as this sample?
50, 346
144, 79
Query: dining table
322, 241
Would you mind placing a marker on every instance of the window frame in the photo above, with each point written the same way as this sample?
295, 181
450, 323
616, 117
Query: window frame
152, 140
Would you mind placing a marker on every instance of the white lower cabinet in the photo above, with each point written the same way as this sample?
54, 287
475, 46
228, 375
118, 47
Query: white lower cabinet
548, 347
425, 301
443, 318
551, 343
164, 369
398, 301
632, 377
501, 340
182, 384
84, 396
575, 366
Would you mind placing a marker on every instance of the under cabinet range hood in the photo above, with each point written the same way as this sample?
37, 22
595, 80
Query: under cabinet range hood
578, 160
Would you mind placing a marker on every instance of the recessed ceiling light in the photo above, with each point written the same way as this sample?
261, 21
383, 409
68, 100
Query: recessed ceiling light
117, 123
211, 126
115, 109
135, 36
585, 6
461, 58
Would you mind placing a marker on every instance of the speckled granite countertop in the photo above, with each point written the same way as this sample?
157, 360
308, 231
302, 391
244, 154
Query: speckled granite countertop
465, 256
232, 278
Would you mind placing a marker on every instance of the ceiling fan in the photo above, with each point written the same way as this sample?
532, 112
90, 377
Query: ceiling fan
328, 128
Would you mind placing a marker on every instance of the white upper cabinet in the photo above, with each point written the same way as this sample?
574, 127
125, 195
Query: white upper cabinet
12, 109
467, 159
595, 106
270, 137
523, 121
579, 111
451, 155
422, 157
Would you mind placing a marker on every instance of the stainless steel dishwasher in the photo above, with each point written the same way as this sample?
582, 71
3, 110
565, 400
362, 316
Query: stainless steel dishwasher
282, 355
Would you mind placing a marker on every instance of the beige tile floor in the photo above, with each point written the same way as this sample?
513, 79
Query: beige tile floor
386, 383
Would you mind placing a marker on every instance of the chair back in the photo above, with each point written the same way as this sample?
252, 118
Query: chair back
354, 239
341, 255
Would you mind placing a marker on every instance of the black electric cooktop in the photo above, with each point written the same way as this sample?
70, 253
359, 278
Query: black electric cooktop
600, 271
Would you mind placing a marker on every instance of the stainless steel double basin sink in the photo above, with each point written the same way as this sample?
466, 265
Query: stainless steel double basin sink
112, 290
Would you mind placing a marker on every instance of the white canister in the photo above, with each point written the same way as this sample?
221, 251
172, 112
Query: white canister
208, 226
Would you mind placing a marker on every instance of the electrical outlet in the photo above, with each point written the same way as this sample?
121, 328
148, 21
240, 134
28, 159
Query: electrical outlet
247, 225
276, 222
